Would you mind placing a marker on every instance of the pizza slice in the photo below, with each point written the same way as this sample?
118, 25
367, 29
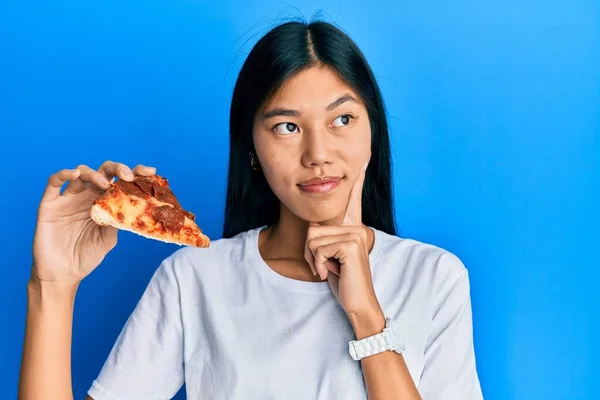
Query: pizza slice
146, 206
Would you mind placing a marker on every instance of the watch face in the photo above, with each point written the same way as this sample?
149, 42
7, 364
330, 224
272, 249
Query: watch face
398, 336
352, 352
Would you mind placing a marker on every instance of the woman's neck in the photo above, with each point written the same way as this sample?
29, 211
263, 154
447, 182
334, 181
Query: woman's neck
287, 237
282, 245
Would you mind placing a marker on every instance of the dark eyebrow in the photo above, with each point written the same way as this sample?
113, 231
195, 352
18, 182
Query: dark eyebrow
341, 101
283, 112
280, 112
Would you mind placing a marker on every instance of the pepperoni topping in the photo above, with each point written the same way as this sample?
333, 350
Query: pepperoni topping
172, 218
165, 195
146, 183
130, 188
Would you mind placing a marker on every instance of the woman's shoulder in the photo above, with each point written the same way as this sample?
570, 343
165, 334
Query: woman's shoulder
420, 257
219, 254
221, 247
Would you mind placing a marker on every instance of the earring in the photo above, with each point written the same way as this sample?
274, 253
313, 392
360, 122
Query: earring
254, 162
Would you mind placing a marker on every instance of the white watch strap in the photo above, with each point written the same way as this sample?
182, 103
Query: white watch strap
372, 345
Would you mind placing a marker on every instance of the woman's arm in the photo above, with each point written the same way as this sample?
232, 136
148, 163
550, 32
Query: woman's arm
386, 374
46, 362
450, 367
67, 246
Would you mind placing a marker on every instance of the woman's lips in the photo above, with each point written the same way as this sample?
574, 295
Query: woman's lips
320, 185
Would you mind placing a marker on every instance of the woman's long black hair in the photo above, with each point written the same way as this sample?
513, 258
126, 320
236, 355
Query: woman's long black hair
283, 52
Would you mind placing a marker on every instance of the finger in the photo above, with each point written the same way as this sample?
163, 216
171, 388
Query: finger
315, 231
144, 170
333, 266
328, 252
112, 169
88, 177
322, 255
308, 254
334, 284
353, 214
318, 236
315, 243
310, 259
341, 251
56, 181
336, 252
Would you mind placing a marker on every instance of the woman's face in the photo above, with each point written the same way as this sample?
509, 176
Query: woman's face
312, 139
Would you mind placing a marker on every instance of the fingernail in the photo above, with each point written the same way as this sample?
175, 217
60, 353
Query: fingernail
319, 273
314, 271
126, 172
104, 181
366, 165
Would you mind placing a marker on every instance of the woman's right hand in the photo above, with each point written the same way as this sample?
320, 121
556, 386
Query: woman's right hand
68, 245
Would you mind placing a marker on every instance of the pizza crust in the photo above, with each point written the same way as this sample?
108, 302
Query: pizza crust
104, 218
129, 206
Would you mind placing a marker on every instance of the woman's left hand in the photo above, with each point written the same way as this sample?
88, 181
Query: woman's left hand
340, 254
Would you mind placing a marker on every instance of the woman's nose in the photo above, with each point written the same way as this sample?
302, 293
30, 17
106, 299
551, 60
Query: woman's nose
317, 149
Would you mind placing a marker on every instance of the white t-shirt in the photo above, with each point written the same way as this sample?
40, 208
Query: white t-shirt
232, 328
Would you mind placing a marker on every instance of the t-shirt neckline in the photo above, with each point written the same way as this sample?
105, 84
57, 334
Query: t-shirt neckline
296, 285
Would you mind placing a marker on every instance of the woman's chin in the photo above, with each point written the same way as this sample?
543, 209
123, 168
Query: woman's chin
322, 212
323, 218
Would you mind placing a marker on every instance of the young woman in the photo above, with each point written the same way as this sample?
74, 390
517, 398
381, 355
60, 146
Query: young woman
309, 295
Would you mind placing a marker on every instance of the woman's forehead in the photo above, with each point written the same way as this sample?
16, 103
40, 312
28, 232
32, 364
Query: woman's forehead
315, 87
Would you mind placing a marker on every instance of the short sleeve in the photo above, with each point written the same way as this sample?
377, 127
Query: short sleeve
146, 362
450, 371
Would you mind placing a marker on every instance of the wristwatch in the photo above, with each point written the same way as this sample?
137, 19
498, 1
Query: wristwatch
390, 339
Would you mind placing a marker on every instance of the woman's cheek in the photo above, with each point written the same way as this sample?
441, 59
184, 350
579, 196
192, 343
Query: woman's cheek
355, 158
276, 175
355, 145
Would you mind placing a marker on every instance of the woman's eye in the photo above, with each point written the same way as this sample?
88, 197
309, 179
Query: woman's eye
286, 127
342, 120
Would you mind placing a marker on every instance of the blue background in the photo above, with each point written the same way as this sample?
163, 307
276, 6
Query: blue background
495, 121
